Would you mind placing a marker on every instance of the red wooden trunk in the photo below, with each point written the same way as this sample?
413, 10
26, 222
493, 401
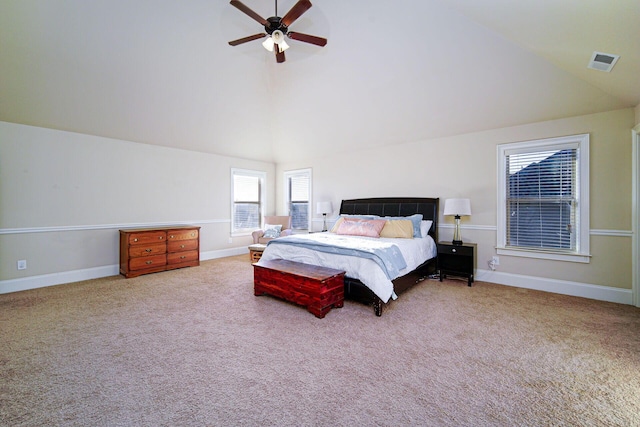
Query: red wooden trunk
317, 288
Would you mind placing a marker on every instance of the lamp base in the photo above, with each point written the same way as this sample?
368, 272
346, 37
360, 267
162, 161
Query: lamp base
457, 238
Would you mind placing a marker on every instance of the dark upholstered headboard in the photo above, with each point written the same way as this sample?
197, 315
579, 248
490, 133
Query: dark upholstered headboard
395, 206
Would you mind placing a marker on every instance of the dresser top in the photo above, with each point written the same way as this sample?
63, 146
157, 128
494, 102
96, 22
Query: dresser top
173, 227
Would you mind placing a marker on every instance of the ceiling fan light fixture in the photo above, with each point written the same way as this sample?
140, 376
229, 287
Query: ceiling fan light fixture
276, 28
277, 36
283, 46
268, 44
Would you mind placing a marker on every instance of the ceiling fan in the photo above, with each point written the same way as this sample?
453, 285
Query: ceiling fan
276, 28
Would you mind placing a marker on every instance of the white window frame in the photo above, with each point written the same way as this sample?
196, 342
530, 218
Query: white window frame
581, 142
287, 176
262, 176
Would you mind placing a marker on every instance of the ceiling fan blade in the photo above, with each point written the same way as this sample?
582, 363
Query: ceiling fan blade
319, 41
296, 11
247, 39
243, 8
279, 55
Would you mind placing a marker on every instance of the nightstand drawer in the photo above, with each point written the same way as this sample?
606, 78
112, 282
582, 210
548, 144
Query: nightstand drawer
455, 250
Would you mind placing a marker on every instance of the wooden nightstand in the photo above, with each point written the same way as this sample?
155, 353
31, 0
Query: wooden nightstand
457, 260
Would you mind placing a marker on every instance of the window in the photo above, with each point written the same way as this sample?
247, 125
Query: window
297, 193
247, 200
543, 200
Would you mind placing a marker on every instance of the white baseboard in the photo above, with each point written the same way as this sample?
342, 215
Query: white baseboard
222, 253
41, 281
34, 282
585, 290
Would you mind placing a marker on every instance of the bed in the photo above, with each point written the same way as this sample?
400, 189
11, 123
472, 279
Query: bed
368, 280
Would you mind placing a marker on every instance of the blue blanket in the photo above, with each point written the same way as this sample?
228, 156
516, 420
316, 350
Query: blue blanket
385, 254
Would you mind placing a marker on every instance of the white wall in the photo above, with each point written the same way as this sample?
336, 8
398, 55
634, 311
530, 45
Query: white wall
63, 197
465, 166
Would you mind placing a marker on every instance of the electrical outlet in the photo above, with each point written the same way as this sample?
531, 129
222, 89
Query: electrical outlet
495, 260
230, 239
21, 264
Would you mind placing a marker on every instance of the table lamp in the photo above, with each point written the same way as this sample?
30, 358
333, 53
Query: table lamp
324, 208
457, 208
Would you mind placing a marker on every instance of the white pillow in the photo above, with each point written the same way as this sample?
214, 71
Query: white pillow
425, 226
272, 231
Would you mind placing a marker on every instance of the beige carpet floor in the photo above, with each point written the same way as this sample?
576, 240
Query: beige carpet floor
195, 347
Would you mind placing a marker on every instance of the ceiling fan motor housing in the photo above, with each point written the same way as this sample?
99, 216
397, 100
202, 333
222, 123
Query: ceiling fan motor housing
275, 23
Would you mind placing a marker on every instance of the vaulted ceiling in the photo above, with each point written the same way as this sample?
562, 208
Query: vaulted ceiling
161, 71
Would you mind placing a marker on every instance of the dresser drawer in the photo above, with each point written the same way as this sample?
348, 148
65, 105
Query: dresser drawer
141, 263
180, 257
176, 235
182, 245
147, 250
146, 237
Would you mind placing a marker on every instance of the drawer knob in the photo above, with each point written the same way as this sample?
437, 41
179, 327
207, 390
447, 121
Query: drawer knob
148, 250
149, 262
181, 246
183, 257
453, 250
135, 240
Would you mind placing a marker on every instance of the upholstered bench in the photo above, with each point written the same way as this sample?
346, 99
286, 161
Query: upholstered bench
317, 288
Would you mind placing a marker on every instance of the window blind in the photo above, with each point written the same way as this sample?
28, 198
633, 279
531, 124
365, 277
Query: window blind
300, 188
299, 201
542, 203
246, 202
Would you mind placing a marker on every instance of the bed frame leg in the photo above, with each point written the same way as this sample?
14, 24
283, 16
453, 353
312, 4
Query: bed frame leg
377, 307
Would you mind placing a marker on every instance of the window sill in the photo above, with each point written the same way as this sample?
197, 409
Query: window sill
555, 256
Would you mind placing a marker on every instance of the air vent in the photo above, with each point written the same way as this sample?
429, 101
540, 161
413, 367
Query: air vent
602, 61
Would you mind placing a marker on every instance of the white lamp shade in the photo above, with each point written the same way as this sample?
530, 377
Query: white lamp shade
277, 36
324, 207
459, 207
268, 44
283, 46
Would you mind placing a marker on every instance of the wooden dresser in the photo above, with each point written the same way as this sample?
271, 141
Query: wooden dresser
149, 250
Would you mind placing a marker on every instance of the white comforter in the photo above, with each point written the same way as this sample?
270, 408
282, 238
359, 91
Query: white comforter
415, 252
